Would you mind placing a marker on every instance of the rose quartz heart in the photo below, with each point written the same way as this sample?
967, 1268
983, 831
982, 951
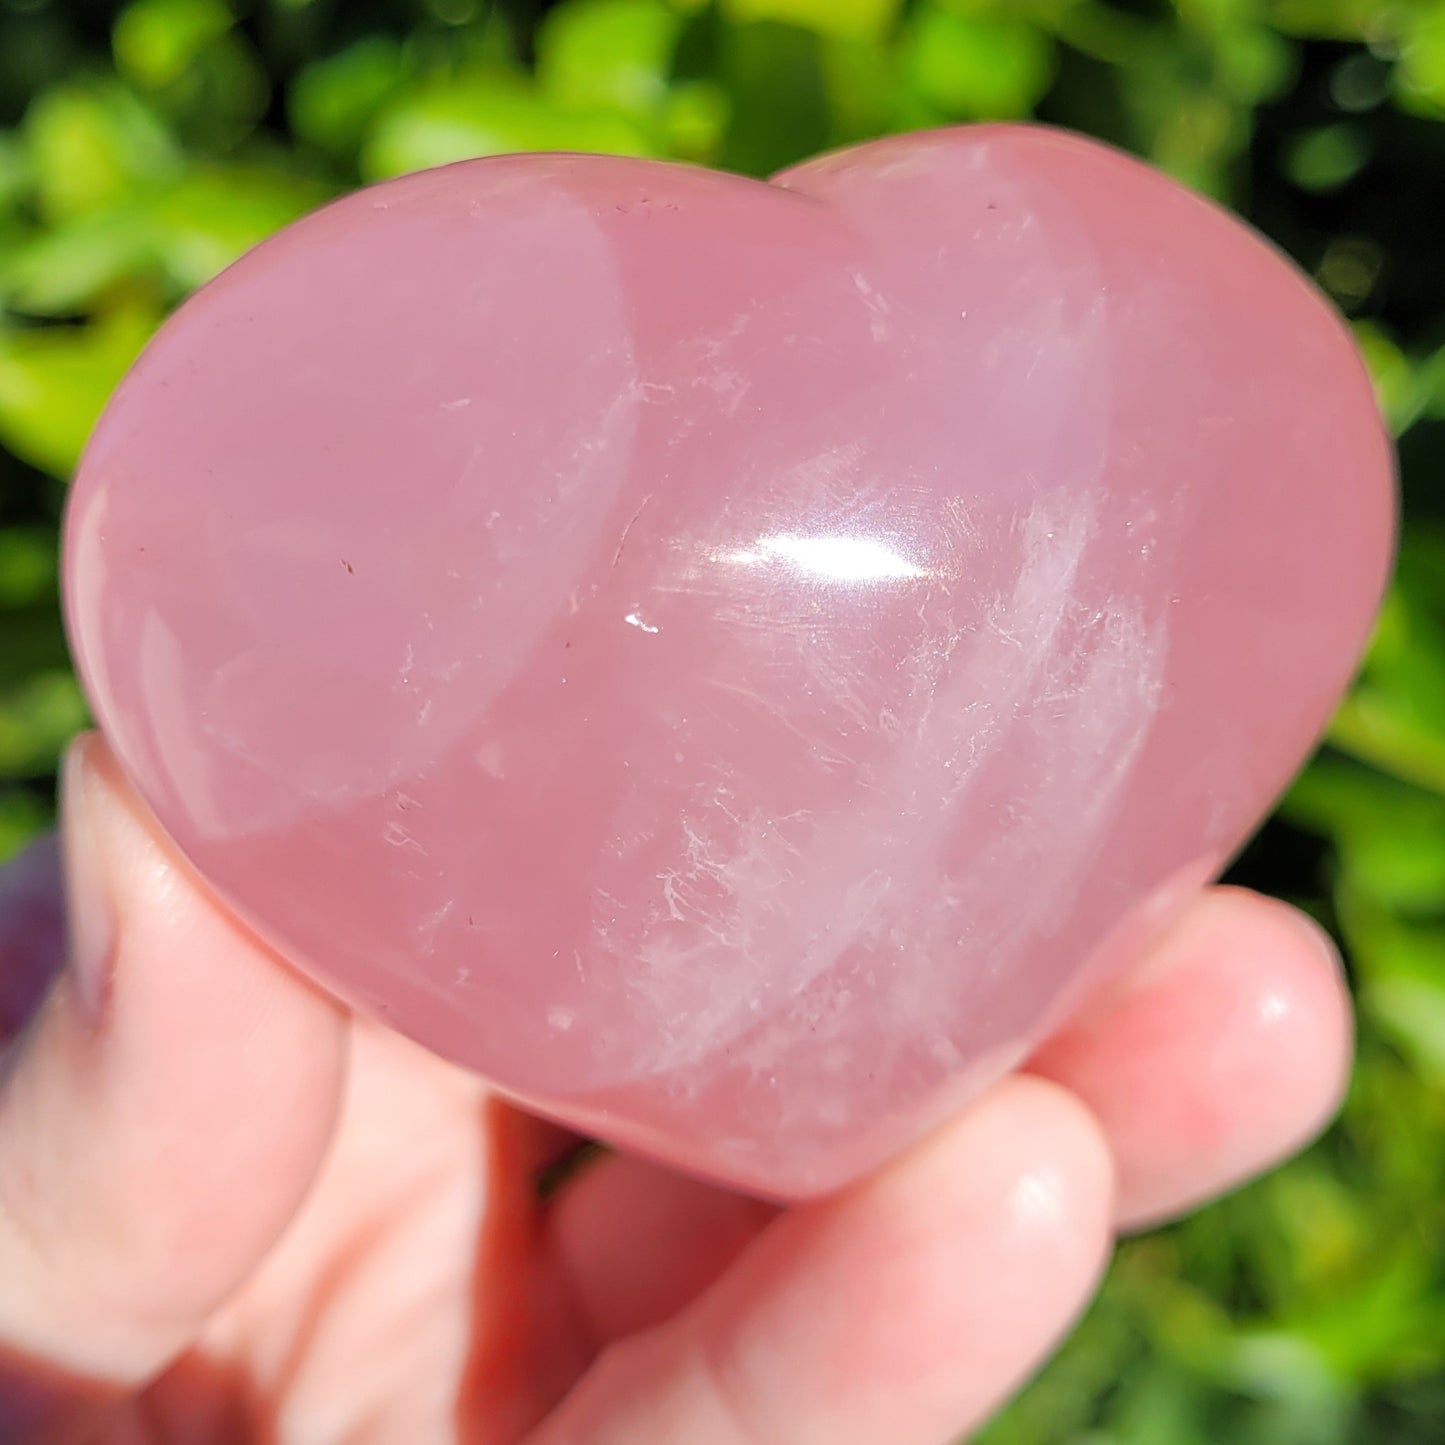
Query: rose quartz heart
732, 662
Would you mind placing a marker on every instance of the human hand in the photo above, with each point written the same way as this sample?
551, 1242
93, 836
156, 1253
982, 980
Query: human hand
231, 1212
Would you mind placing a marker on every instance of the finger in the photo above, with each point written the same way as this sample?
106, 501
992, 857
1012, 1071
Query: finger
1241, 980
904, 1309
635, 1242
161, 1116
1225, 1052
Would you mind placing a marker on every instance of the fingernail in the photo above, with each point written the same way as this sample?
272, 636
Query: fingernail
90, 914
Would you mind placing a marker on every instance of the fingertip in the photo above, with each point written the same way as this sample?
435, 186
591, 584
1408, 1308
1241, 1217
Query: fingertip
1028, 1175
923, 1298
1029, 1166
1224, 1053
906, 1308
1309, 1018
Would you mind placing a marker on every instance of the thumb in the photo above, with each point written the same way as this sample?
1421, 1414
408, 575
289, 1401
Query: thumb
161, 1115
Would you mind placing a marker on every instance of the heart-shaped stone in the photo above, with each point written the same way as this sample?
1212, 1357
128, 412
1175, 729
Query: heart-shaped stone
731, 662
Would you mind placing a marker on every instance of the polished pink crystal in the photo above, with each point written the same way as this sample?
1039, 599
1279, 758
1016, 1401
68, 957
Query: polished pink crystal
732, 662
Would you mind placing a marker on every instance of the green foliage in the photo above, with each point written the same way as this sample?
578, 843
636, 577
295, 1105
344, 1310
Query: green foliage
144, 146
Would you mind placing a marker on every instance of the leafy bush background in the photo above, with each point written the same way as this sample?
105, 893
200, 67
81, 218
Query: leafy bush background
144, 146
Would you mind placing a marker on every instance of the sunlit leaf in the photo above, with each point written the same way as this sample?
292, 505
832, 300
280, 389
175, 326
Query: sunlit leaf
92, 145
1392, 717
1384, 728
695, 118
216, 213
1337, 19
1283, 1364
978, 68
1390, 835
1430, 377
865, 89
1395, 382
608, 54
1254, 64
486, 114
218, 100
55, 380
37, 719
63, 271
845, 18
332, 100
155, 40
1420, 74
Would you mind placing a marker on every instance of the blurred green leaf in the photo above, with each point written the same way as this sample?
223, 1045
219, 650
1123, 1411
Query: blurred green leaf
1420, 74
37, 718
864, 92
1312, 1235
55, 380
1254, 64
92, 145
333, 100
15, 177
157, 40
1383, 727
1197, 139
608, 55
218, 100
975, 68
486, 113
34, 642
1430, 378
848, 19
214, 214
1390, 835
1325, 158
1372, 20
1409, 1002
1392, 717
27, 566
63, 271
1110, 36
1163, 1404
777, 97
1284, 1365
182, 233
695, 118
1396, 384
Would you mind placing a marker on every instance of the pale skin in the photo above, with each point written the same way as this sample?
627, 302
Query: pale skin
231, 1211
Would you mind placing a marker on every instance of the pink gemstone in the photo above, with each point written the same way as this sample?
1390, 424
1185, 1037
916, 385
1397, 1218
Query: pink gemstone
732, 662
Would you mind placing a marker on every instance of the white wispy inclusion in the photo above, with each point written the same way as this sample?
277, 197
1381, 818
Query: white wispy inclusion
1043, 681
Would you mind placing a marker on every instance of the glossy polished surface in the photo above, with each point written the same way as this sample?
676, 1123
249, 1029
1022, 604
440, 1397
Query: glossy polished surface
732, 662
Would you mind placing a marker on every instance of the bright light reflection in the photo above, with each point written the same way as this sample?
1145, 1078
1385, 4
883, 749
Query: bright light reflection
842, 559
